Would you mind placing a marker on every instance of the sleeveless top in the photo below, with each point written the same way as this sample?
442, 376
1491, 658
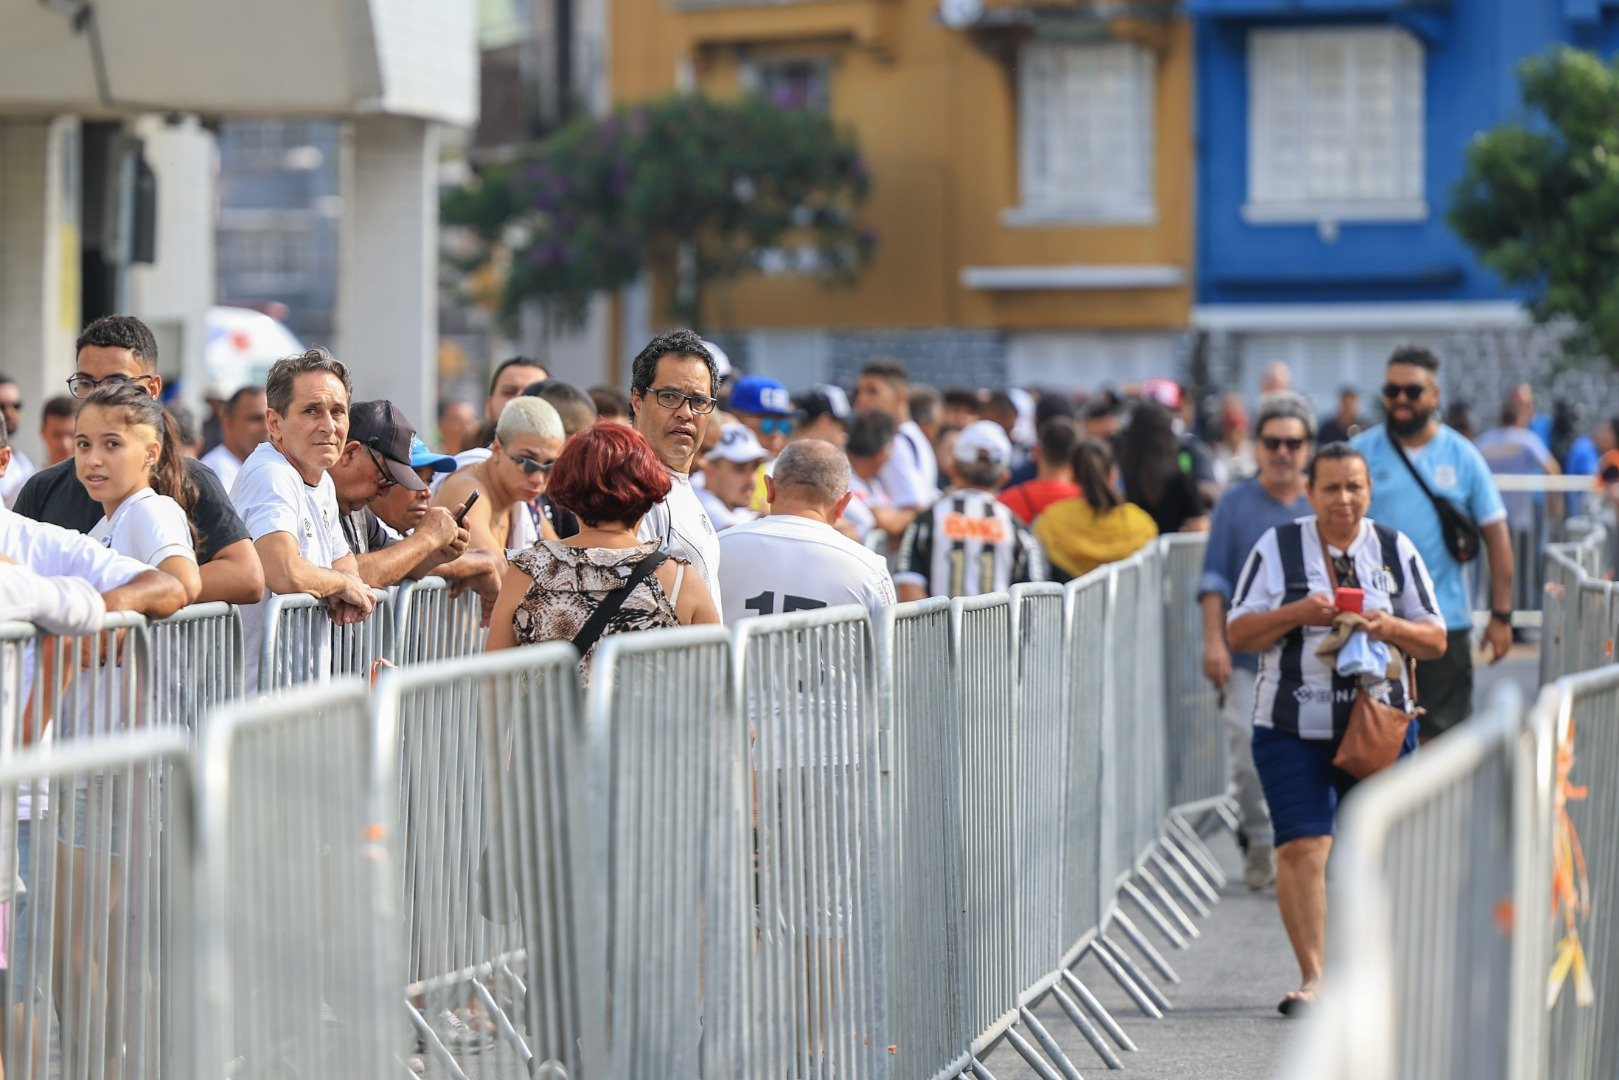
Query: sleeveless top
569, 583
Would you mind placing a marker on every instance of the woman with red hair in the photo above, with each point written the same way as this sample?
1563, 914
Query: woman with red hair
601, 580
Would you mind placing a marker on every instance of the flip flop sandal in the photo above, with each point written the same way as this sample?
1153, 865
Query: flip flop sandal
1295, 1005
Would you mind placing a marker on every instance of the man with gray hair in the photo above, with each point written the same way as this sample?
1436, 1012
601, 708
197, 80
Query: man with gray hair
1284, 439
795, 559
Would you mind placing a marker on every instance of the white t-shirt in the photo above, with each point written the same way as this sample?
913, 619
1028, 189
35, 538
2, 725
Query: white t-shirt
911, 475
271, 497
149, 527
225, 464
681, 527
786, 563
17, 474
722, 516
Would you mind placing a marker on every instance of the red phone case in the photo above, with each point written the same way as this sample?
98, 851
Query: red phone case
1350, 599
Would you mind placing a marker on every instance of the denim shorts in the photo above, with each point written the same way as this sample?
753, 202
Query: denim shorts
1302, 786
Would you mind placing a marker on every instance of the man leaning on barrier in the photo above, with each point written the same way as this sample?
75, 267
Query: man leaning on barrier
1286, 605
121, 348
1285, 438
287, 499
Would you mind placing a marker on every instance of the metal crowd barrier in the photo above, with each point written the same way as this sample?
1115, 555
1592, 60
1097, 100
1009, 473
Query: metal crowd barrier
301, 942
1197, 771
301, 644
433, 625
196, 662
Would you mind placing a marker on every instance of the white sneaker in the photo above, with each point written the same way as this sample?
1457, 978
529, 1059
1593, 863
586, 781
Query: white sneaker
463, 1036
1259, 867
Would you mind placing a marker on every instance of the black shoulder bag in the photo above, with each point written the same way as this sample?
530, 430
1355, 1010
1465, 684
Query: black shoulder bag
1462, 536
594, 626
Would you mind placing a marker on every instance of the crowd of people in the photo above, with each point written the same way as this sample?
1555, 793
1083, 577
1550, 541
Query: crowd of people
700, 497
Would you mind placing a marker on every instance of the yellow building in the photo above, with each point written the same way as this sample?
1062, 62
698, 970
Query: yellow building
1032, 178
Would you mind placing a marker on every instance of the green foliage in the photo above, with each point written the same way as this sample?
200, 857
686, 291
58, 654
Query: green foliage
1539, 202
683, 183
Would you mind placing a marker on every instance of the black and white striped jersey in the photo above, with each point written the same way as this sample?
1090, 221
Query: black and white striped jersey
968, 543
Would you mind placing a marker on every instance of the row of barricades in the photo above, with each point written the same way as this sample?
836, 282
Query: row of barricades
1471, 933
809, 847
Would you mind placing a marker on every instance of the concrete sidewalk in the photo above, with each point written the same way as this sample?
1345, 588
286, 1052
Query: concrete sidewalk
1224, 1024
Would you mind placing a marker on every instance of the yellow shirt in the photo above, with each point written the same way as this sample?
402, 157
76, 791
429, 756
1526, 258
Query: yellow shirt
1077, 539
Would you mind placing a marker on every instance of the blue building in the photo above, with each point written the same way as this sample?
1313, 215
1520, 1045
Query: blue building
1330, 135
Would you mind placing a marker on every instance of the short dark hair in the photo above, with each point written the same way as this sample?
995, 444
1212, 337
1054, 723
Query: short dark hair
1336, 451
60, 407
892, 370
121, 332
609, 402
572, 404
1058, 437
964, 397
1053, 403
1000, 401
278, 386
608, 472
242, 394
516, 361
1417, 356
869, 433
681, 342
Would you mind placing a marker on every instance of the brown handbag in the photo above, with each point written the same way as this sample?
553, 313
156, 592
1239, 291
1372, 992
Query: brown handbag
1376, 731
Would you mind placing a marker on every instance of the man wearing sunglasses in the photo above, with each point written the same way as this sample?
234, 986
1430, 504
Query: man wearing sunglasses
1452, 469
766, 408
528, 439
1274, 496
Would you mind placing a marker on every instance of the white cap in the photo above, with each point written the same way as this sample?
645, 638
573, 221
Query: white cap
738, 444
721, 362
983, 441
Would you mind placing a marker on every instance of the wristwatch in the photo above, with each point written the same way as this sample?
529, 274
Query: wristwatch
1502, 617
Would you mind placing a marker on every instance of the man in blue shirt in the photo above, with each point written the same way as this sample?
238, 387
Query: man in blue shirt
1453, 469
1284, 440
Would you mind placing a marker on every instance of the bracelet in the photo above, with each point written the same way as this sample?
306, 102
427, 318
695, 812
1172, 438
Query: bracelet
1502, 617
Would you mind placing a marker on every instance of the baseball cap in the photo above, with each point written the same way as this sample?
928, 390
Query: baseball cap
985, 442
824, 400
421, 457
761, 396
1166, 392
737, 444
381, 426
722, 363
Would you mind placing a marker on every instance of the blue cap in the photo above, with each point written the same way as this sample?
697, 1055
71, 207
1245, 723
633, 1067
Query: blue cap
761, 396
421, 457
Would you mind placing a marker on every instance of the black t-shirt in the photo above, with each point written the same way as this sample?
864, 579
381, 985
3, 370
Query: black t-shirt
1179, 502
56, 497
562, 520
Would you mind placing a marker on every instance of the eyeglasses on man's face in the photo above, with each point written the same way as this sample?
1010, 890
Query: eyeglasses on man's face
82, 386
530, 466
1412, 391
1274, 443
672, 400
386, 479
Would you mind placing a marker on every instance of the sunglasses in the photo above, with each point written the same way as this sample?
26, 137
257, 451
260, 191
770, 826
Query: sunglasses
1274, 443
1412, 391
530, 466
770, 425
387, 480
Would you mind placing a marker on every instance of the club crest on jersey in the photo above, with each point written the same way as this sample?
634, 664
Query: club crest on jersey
1383, 579
1303, 695
1445, 475
962, 527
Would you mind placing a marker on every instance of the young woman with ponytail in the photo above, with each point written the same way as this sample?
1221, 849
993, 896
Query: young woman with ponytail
1098, 526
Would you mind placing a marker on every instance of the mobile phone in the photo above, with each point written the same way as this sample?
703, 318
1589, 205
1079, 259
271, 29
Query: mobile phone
462, 513
1350, 599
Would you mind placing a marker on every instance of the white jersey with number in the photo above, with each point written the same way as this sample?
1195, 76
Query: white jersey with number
681, 527
785, 563
966, 544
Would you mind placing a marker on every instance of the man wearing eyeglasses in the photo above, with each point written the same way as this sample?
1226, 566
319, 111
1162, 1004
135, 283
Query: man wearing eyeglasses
376, 459
672, 387
528, 439
1453, 469
121, 348
1274, 496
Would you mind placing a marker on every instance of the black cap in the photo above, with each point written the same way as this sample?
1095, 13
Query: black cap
823, 401
382, 427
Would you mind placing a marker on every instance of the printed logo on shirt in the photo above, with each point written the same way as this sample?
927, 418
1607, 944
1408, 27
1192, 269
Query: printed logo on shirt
962, 527
1383, 580
1444, 476
1303, 695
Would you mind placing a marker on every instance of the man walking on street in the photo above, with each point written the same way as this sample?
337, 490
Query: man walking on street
1250, 508
1412, 444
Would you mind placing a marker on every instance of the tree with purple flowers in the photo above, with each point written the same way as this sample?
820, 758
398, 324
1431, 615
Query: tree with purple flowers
695, 190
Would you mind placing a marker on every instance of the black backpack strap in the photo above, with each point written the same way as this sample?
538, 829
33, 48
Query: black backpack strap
1389, 541
1290, 546
613, 602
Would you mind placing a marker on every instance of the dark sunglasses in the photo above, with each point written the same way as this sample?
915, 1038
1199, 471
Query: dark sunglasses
530, 466
1412, 391
1274, 443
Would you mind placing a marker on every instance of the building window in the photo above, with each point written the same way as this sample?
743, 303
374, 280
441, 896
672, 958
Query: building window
802, 83
1085, 132
1335, 125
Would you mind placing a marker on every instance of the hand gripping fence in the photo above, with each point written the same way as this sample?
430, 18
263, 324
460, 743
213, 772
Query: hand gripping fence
301, 644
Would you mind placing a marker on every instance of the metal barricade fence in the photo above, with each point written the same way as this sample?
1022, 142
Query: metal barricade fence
981, 649
1422, 891
672, 817
1086, 888
807, 692
1121, 735
492, 752
922, 807
196, 662
1196, 741
1038, 650
1560, 610
299, 910
433, 625
301, 644
1593, 640
1148, 720
99, 944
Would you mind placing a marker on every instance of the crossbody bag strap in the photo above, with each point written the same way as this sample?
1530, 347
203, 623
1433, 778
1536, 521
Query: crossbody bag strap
613, 602
1411, 466
1326, 561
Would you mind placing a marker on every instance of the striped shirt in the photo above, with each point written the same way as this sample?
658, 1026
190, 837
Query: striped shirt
1298, 692
966, 544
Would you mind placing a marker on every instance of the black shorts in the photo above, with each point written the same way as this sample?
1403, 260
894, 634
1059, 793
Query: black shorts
1445, 686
